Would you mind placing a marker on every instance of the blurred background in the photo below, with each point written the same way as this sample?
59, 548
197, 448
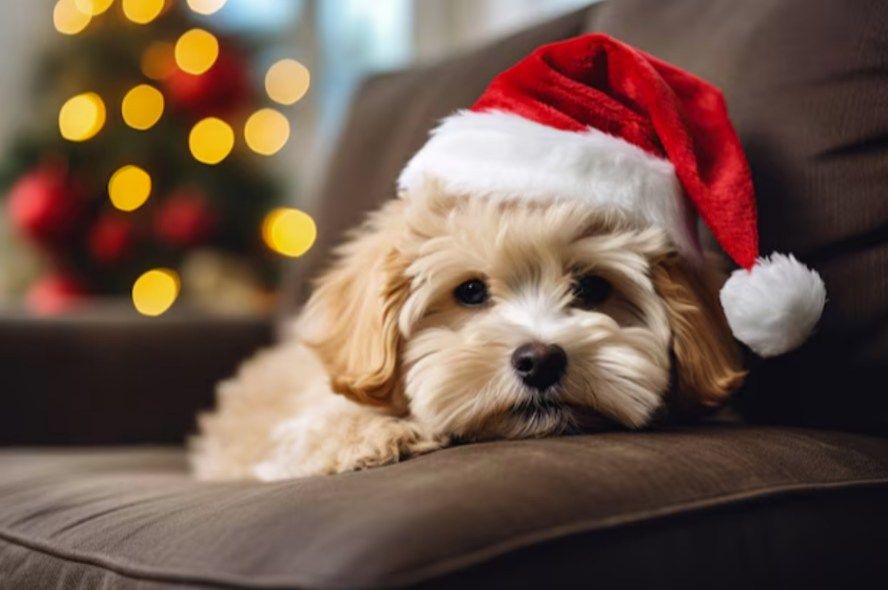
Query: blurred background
158, 155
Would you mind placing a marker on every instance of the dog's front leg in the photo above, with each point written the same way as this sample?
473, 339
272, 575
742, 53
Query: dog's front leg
343, 436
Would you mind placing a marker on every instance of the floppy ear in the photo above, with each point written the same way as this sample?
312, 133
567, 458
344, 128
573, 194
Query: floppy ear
351, 319
707, 358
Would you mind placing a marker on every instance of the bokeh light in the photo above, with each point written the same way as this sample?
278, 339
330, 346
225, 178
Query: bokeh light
287, 81
288, 231
142, 106
266, 131
196, 51
82, 116
68, 19
129, 187
142, 12
93, 7
210, 140
205, 6
155, 291
158, 60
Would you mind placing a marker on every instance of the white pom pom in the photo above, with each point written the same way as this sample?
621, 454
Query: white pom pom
774, 307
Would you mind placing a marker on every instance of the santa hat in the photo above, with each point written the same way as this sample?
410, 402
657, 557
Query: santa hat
594, 120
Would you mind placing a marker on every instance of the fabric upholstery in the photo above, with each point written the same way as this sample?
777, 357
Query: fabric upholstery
805, 86
111, 378
755, 506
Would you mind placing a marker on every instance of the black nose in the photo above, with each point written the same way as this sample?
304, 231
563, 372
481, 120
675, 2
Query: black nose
539, 365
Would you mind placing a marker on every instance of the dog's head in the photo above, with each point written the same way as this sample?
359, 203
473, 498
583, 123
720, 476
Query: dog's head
487, 319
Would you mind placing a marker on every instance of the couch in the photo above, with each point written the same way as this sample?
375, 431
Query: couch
787, 488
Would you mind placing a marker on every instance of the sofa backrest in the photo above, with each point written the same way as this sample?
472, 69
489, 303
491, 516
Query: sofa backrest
806, 83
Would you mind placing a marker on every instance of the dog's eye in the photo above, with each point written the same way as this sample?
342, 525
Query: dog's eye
472, 292
589, 290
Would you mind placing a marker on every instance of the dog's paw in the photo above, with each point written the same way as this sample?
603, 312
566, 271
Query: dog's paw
345, 444
380, 444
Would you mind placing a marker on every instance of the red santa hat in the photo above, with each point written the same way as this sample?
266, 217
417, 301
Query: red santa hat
594, 120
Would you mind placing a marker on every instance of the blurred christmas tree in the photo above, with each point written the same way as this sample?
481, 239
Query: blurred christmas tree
142, 166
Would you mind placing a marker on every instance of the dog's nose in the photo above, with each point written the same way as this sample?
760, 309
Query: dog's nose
539, 365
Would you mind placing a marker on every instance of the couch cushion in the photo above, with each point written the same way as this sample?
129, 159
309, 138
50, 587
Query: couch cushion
755, 506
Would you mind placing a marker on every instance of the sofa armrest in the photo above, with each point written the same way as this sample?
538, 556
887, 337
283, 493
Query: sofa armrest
114, 378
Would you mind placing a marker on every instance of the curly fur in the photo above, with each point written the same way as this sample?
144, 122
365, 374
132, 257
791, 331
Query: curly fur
383, 363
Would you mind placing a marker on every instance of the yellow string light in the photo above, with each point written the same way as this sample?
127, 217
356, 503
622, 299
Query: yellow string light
205, 6
287, 81
210, 140
93, 7
142, 106
266, 131
129, 187
155, 291
288, 231
82, 116
142, 12
158, 61
196, 51
68, 19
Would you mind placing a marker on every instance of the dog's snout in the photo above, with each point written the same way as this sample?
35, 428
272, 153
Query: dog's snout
539, 365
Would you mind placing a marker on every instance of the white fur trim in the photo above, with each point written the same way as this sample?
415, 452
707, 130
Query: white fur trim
773, 307
498, 154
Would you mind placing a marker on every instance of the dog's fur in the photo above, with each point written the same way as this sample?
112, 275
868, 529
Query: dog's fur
383, 363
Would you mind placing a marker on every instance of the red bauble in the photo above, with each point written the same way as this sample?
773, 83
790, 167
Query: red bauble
111, 238
55, 293
184, 219
220, 90
45, 205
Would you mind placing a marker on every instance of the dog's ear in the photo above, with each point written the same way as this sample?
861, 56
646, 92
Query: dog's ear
351, 319
707, 358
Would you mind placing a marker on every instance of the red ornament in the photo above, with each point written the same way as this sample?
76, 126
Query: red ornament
45, 205
184, 219
221, 89
111, 238
55, 293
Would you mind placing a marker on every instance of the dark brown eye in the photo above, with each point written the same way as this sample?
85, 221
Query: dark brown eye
590, 290
472, 292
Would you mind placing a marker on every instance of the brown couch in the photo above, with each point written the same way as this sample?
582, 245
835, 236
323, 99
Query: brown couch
792, 494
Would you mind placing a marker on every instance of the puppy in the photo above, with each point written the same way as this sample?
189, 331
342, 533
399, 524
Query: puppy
448, 318
540, 272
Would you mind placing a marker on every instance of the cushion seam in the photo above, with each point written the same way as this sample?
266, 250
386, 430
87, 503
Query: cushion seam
439, 566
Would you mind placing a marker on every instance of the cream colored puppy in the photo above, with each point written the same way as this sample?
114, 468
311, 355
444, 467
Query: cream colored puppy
450, 318
540, 272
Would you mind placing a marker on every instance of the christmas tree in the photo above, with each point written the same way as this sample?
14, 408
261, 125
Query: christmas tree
143, 166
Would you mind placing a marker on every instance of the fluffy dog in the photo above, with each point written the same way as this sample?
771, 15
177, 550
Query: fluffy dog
539, 273
456, 318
